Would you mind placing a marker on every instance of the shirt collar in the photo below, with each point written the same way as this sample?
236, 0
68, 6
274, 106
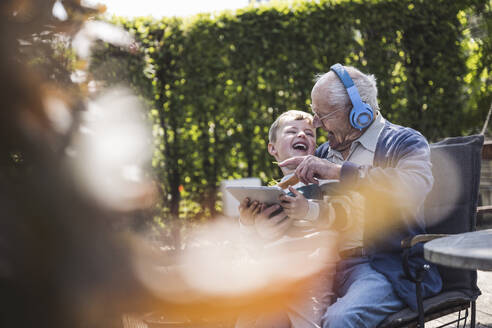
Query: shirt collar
369, 138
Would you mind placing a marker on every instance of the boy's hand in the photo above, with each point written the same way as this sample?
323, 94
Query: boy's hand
248, 211
295, 207
271, 227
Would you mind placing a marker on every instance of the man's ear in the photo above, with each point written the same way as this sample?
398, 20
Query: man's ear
271, 149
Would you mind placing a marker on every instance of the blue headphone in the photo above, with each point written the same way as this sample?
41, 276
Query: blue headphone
361, 114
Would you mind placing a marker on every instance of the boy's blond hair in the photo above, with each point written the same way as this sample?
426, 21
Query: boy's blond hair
290, 115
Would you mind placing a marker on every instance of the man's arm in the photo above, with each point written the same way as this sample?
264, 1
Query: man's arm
403, 185
407, 183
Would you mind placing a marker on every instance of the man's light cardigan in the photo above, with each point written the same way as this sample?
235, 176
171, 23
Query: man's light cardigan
401, 174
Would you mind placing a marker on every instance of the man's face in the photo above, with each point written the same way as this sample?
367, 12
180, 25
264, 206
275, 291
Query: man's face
294, 138
336, 124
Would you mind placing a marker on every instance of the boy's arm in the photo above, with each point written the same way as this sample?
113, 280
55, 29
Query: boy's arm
302, 204
313, 210
341, 212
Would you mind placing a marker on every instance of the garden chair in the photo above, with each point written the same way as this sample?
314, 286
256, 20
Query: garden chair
460, 289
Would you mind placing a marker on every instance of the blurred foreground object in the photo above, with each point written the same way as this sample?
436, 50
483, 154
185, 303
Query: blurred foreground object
223, 272
60, 264
73, 161
111, 151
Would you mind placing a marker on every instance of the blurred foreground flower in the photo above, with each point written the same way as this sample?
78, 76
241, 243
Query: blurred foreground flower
112, 151
224, 269
96, 30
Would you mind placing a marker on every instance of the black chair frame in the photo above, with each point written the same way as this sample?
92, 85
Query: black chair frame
456, 297
417, 278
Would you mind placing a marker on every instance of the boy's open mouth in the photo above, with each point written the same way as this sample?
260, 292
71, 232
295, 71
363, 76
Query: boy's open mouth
300, 146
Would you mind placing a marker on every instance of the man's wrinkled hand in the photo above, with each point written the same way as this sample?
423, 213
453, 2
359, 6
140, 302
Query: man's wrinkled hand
292, 162
311, 168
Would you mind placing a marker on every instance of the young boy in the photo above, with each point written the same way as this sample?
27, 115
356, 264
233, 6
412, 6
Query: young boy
292, 134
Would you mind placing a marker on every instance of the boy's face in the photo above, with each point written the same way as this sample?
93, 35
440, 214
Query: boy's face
294, 138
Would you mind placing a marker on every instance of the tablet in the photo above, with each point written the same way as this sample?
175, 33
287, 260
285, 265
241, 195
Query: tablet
266, 195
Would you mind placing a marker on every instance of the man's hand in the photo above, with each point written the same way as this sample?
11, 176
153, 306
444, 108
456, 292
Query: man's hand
293, 162
295, 207
248, 210
311, 168
271, 227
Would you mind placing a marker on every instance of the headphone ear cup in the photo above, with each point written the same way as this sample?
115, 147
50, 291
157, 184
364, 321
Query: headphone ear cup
361, 116
352, 120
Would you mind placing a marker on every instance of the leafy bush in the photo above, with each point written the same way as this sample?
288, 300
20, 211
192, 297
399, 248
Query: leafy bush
216, 83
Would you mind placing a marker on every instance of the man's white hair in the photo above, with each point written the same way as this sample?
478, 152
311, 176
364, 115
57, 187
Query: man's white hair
336, 93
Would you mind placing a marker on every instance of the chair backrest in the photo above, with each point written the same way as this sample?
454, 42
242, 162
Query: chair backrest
452, 204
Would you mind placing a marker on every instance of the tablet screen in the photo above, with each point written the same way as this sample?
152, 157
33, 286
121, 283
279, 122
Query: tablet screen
267, 195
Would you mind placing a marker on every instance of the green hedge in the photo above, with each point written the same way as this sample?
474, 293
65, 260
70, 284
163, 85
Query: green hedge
216, 83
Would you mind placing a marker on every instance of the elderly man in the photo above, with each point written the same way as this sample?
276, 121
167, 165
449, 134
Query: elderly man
390, 166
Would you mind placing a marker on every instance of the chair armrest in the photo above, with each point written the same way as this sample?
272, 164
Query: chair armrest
417, 276
412, 241
484, 209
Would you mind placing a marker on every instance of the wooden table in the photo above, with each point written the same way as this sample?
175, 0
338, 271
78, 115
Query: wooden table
470, 250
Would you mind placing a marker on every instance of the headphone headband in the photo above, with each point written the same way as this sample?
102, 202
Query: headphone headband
343, 75
361, 114
349, 84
